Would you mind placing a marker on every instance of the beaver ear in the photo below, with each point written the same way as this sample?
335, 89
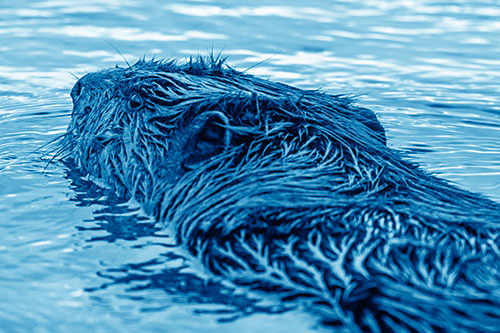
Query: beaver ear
207, 136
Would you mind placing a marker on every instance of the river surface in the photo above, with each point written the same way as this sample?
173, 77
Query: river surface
74, 259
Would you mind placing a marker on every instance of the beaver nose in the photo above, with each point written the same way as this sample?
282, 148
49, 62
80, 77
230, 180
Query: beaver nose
76, 91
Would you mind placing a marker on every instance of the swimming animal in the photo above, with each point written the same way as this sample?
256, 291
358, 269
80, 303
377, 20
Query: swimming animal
292, 192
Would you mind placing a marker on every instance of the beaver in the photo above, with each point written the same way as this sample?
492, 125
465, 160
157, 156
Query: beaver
290, 192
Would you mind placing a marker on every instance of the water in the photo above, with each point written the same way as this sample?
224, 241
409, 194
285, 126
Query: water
73, 258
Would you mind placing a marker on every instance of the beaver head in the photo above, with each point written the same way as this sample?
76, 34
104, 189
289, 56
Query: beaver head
115, 108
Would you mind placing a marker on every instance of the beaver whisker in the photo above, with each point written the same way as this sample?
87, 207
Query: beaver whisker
119, 52
57, 140
74, 75
58, 154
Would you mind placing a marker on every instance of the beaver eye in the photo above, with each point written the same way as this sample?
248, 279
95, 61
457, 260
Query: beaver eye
135, 101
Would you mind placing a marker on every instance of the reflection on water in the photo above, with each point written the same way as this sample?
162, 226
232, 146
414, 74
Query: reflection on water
73, 256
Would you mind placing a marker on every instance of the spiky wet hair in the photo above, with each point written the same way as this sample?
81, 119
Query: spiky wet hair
305, 199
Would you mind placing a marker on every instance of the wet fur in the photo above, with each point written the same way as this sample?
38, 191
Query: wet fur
307, 201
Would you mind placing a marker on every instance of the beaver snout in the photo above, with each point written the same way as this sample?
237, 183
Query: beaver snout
76, 91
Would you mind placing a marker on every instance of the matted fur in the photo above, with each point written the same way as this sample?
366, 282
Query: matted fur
307, 201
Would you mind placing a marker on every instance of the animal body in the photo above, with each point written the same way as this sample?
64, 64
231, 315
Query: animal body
292, 192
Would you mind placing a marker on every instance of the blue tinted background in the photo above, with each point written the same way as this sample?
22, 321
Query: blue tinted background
72, 258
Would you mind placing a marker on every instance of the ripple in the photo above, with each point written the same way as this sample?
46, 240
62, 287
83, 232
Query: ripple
127, 34
301, 13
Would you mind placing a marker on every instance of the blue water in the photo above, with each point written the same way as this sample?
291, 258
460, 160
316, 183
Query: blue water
73, 258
